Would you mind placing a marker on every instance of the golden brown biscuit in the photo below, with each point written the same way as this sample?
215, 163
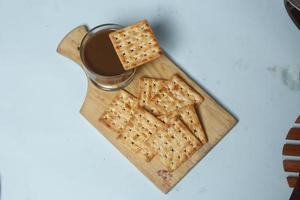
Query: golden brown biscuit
135, 44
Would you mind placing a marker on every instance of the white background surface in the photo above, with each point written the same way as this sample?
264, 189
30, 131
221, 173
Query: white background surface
235, 49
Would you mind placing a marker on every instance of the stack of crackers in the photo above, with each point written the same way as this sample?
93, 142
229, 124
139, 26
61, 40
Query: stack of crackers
162, 121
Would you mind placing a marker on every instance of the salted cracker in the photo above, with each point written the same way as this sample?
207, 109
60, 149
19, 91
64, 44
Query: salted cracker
120, 111
174, 144
165, 102
182, 91
188, 115
156, 85
135, 44
149, 87
190, 118
139, 130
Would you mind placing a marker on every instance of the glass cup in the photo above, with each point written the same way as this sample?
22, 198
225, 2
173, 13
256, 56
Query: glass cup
104, 82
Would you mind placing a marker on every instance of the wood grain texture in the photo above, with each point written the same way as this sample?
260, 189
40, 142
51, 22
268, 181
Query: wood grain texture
298, 120
293, 134
291, 150
216, 120
292, 181
296, 192
70, 44
291, 165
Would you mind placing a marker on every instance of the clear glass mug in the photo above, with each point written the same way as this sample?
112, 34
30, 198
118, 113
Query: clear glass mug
108, 83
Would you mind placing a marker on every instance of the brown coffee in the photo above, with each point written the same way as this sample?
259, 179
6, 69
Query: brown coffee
99, 55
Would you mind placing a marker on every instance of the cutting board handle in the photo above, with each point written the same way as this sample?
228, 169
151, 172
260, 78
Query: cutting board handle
70, 44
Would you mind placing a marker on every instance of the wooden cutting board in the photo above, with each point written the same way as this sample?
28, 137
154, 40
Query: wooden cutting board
216, 120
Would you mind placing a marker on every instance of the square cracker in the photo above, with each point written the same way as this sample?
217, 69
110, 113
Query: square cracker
182, 91
175, 144
139, 130
120, 111
190, 118
148, 88
135, 44
188, 115
165, 102
156, 86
